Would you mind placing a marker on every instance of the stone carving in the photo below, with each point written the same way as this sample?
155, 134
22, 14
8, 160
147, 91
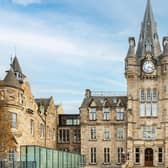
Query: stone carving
2, 94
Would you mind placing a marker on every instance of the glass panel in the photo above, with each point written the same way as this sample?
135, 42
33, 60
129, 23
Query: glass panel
155, 95
55, 159
37, 157
30, 153
142, 95
23, 153
148, 95
42, 158
148, 109
49, 158
154, 109
60, 157
142, 109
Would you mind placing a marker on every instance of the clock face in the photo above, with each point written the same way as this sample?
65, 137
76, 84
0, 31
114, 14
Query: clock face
148, 67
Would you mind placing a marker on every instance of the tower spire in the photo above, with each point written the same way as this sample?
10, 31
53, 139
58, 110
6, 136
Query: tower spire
148, 39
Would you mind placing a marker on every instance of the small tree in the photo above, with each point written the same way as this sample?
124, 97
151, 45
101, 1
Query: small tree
7, 141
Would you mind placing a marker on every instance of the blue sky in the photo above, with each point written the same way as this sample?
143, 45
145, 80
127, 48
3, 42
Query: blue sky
66, 46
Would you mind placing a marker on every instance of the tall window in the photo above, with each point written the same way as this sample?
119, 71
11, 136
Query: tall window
120, 133
93, 133
13, 120
160, 155
149, 132
63, 136
142, 95
106, 155
137, 155
148, 102
92, 114
93, 155
12, 155
120, 113
120, 152
106, 113
76, 135
41, 130
32, 127
106, 134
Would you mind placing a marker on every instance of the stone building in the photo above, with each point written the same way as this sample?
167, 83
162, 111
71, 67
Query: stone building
33, 121
68, 132
135, 127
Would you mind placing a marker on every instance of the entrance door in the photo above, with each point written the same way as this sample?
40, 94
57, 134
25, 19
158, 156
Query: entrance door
148, 157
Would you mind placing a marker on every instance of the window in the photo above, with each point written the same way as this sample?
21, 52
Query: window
76, 135
142, 95
114, 100
93, 156
149, 132
92, 114
148, 95
142, 109
63, 136
106, 113
154, 109
32, 127
148, 106
13, 120
120, 113
72, 122
106, 134
160, 155
21, 98
120, 133
12, 155
137, 155
41, 130
120, 152
106, 155
93, 133
155, 95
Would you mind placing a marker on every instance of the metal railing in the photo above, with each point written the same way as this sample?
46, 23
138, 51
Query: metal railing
17, 164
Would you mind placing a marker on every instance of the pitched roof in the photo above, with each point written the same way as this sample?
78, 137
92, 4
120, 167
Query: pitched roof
100, 101
16, 66
148, 40
44, 102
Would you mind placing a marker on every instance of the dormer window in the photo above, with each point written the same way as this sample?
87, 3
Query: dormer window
18, 75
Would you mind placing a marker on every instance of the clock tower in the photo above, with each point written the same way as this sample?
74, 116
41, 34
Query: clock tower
146, 72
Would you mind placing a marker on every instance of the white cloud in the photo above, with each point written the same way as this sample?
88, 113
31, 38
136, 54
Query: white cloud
26, 2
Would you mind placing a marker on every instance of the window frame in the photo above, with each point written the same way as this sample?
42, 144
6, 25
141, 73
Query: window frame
92, 113
93, 155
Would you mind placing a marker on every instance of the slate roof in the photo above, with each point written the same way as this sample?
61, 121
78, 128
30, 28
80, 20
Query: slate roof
16, 66
148, 34
101, 101
11, 80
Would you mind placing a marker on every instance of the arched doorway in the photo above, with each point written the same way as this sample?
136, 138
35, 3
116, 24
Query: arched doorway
149, 157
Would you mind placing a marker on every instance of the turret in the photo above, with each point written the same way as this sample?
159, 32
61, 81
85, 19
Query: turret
165, 46
131, 50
